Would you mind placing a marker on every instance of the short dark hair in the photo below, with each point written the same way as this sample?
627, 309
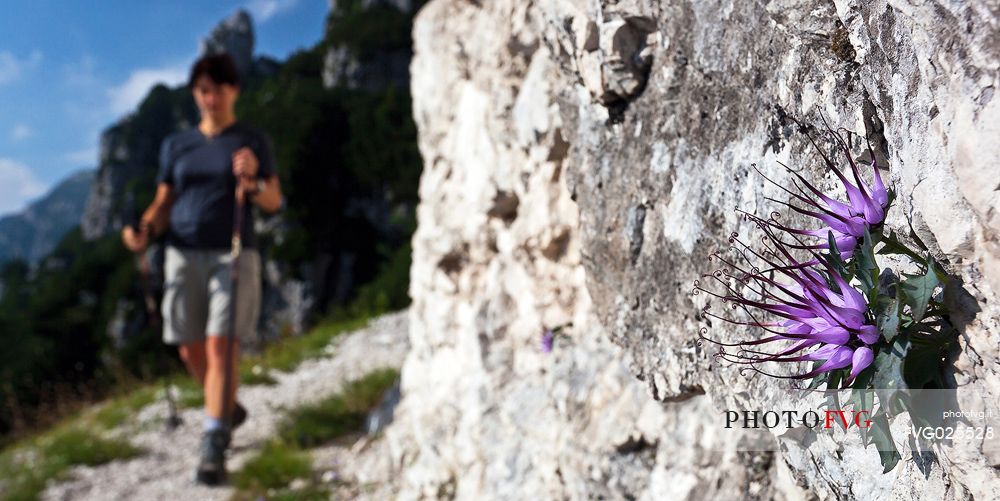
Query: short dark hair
219, 67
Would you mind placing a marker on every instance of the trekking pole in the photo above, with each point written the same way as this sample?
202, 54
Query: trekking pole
152, 311
173, 419
234, 276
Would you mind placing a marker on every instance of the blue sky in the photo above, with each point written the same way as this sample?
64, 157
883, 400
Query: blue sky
70, 69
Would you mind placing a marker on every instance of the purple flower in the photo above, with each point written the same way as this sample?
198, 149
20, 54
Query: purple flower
816, 314
547, 338
846, 221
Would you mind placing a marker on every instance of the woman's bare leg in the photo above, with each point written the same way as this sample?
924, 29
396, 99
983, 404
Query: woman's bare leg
214, 376
194, 357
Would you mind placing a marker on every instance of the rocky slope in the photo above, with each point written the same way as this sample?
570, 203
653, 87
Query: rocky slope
34, 232
581, 161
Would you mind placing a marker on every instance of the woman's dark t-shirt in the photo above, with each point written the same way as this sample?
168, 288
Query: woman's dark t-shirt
200, 169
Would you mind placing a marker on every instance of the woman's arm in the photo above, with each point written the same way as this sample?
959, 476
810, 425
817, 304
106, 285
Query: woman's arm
157, 216
154, 221
268, 195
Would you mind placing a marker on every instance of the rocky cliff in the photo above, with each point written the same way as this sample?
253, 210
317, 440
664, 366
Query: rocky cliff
355, 60
581, 161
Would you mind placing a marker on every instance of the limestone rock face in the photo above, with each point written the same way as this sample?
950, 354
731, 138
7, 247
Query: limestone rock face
234, 36
119, 161
376, 66
582, 159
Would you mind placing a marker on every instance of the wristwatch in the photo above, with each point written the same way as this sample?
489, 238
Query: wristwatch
261, 185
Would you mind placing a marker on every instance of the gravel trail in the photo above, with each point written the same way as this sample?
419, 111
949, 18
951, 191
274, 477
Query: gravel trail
165, 471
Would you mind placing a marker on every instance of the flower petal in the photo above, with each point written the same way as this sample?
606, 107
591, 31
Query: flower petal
861, 359
868, 334
834, 335
840, 358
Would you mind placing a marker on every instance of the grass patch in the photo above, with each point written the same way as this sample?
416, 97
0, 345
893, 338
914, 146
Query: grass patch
25, 470
257, 375
274, 467
189, 395
284, 459
309, 493
120, 409
79, 446
338, 415
287, 355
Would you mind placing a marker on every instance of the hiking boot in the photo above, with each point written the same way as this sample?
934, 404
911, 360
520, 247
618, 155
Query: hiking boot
212, 467
239, 415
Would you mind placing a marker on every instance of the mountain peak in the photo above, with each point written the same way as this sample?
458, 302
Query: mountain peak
234, 35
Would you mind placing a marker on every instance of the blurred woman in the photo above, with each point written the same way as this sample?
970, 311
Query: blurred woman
202, 172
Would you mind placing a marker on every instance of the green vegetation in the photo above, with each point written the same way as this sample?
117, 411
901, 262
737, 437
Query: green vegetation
256, 375
119, 410
24, 471
78, 439
338, 415
275, 466
287, 355
285, 459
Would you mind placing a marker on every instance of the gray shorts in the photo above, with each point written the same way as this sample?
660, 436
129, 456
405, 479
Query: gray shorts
197, 292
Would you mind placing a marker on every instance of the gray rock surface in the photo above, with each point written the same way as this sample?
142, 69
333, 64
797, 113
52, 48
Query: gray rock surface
582, 159
349, 66
118, 163
234, 36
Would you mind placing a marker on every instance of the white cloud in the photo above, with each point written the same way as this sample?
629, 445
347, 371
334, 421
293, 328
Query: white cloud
263, 10
125, 97
18, 185
11, 67
86, 156
20, 132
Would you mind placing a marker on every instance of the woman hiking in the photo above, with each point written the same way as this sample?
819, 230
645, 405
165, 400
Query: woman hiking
201, 170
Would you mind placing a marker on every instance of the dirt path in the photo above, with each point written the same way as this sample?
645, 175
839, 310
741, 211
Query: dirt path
166, 470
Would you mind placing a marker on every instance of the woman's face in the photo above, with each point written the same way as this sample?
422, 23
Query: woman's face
214, 100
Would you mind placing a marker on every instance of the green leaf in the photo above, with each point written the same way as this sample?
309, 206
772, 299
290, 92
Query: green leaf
894, 246
889, 365
922, 365
863, 399
882, 438
887, 317
866, 267
918, 289
888, 380
836, 262
820, 378
832, 387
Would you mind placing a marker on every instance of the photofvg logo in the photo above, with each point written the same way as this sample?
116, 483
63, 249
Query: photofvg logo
956, 419
826, 418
